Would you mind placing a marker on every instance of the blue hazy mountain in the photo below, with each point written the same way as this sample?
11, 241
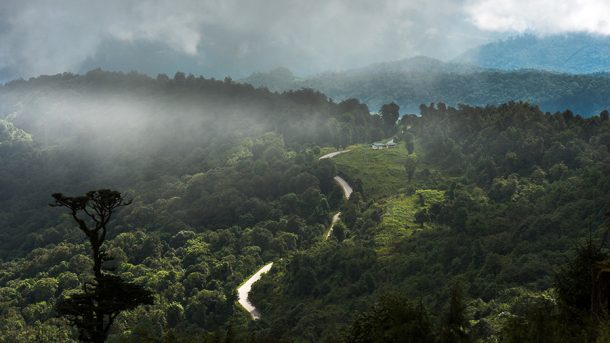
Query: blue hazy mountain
575, 53
422, 80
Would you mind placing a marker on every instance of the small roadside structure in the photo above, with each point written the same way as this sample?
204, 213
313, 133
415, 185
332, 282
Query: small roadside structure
389, 145
376, 146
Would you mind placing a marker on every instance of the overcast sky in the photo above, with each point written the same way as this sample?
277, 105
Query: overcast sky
237, 37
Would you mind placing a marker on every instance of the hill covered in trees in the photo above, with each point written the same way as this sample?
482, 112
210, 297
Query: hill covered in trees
423, 80
492, 201
468, 230
574, 53
223, 177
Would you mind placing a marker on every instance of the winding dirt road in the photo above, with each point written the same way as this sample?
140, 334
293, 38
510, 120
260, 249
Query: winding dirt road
243, 292
333, 154
347, 189
336, 218
347, 192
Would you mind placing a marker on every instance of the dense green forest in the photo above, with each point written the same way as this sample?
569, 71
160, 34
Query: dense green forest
476, 227
423, 80
522, 190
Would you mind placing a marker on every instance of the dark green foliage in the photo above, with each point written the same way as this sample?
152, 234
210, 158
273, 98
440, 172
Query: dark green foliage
339, 232
570, 318
573, 281
389, 114
214, 196
105, 298
538, 323
455, 327
409, 143
225, 178
521, 187
94, 310
410, 167
421, 217
392, 319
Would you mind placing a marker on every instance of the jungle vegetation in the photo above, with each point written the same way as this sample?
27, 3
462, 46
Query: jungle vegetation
482, 224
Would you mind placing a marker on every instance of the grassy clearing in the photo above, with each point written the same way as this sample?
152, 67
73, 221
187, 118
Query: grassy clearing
384, 179
398, 220
382, 171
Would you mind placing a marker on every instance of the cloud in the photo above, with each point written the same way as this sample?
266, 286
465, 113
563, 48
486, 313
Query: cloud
541, 17
39, 37
230, 36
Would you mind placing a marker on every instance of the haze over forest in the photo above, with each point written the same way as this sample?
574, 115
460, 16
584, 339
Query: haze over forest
321, 171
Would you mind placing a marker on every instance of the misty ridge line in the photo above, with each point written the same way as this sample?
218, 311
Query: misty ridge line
131, 111
117, 108
417, 81
114, 112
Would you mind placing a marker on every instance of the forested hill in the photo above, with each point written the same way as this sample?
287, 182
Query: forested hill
421, 80
71, 133
575, 53
223, 178
457, 231
492, 201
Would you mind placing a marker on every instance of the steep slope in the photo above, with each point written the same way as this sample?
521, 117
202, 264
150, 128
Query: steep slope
499, 198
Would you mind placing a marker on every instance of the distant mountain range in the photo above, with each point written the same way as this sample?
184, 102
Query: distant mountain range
570, 53
281, 79
421, 80
547, 71
576, 53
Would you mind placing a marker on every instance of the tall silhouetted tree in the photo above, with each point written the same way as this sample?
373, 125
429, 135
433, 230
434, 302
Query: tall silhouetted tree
389, 115
573, 281
409, 142
455, 325
421, 217
410, 165
339, 231
94, 310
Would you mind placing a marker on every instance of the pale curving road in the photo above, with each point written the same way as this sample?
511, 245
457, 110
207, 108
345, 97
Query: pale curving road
336, 218
243, 291
347, 189
333, 154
